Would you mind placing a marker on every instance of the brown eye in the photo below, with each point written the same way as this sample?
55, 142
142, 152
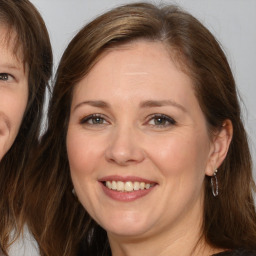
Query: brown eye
6, 77
94, 119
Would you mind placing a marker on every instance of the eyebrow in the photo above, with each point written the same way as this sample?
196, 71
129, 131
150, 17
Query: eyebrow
161, 103
93, 103
144, 104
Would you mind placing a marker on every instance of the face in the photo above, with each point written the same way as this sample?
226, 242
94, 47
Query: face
137, 143
13, 92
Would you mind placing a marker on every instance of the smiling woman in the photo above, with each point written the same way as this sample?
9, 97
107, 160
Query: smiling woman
143, 113
25, 68
13, 90
147, 152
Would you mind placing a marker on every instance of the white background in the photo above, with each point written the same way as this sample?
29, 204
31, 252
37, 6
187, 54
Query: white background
233, 22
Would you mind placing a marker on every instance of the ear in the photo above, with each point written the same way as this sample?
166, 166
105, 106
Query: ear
219, 147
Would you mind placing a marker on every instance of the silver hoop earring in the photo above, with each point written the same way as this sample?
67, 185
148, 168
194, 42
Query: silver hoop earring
214, 184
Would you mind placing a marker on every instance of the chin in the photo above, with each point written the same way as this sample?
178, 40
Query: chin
127, 231
128, 226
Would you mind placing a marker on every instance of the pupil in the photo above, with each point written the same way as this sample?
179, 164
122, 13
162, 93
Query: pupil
159, 121
97, 120
4, 77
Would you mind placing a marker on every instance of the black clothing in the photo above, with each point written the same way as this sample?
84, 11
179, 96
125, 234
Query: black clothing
239, 252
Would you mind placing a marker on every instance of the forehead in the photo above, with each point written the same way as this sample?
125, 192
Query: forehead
136, 57
130, 68
10, 46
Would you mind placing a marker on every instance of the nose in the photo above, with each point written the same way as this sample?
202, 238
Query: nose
124, 147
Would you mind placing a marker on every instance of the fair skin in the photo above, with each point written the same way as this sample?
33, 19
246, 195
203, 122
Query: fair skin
13, 91
135, 121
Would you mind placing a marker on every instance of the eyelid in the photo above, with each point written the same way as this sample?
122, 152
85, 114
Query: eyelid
85, 119
2, 74
166, 117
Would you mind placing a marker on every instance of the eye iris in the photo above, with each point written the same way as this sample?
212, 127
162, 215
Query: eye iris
97, 120
4, 77
160, 121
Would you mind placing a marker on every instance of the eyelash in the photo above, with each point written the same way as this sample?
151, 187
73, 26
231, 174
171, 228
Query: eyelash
164, 118
92, 117
5, 77
100, 120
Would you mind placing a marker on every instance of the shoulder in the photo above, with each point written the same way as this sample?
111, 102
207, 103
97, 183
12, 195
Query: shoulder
238, 252
24, 245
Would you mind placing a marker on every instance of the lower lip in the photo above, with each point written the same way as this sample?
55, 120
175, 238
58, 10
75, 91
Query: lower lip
126, 196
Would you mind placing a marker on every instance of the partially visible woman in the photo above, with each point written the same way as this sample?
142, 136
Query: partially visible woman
25, 69
143, 113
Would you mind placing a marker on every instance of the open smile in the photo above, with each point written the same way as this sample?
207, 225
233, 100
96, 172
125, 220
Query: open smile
126, 188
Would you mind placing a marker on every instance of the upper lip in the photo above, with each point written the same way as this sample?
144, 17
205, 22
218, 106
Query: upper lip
125, 179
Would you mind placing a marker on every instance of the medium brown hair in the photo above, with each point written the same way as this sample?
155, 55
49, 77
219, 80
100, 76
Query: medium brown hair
61, 224
32, 40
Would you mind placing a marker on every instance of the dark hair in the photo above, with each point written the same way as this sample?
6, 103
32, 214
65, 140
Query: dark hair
32, 40
62, 223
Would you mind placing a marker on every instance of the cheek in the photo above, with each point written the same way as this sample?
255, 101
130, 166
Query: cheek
84, 157
17, 110
179, 154
181, 161
14, 106
83, 153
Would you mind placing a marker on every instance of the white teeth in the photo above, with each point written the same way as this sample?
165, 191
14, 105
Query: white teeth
142, 185
120, 186
108, 184
147, 186
114, 185
127, 186
136, 185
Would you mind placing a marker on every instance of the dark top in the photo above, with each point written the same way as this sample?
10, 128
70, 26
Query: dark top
240, 252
